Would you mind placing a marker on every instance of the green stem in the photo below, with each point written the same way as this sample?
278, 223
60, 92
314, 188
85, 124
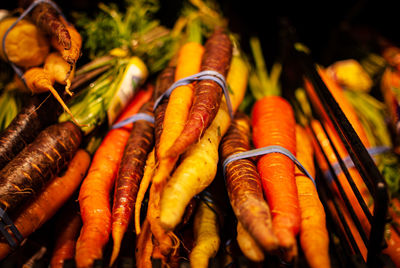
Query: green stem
194, 33
269, 85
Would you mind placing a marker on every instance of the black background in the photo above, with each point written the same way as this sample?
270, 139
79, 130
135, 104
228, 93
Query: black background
317, 23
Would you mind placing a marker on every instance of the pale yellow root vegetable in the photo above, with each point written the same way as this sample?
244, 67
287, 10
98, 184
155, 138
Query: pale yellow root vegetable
199, 163
248, 245
59, 69
206, 236
25, 45
144, 185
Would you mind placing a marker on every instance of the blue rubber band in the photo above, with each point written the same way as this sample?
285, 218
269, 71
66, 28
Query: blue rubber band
16, 69
6, 223
267, 150
204, 75
349, 163
134, 118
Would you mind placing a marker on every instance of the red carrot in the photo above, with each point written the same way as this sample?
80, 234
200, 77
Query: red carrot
38, 163
46, 17
244, 185
207, 93
94, 195
130, 173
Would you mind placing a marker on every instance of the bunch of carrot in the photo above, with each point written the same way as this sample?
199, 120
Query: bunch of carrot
59, 49
328, 139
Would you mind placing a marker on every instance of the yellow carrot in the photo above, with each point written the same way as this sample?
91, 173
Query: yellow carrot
248, 245
206, 236
313, 232
199, 163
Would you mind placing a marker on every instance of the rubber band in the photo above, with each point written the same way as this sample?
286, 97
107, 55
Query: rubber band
349, 162
204, 75
6, 223
134, 118
16, 69
263, 151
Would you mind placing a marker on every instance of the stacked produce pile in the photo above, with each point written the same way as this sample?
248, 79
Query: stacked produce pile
165, 146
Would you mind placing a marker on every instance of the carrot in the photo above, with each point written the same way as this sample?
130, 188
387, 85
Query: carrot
32, 118
38, 80
207, 93
49, 201
198, 165
94, 194
37, 164
206, 235
68, 224
276, 170
273, 127
392, 237
175, 117
337, 93
46, 17
130, 172
25, 44
72, 54
313, 231
244, 185
164, 81
59, 69
144, 185
248, 245
144, 247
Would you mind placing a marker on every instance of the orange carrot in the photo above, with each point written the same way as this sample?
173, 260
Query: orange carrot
337, 93
94, 194
49, 201
180, 100
207, 93
68, 226
392, 237
244, 185
271, 126
313, 232
144, 247
130, 172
